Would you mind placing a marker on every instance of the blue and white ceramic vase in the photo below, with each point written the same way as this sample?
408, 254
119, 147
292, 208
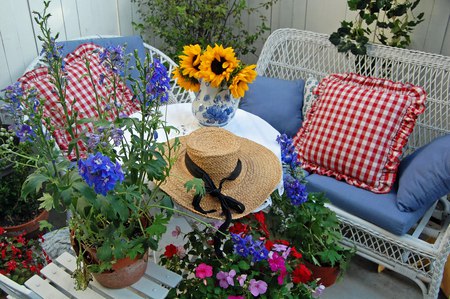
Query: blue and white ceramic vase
214, 107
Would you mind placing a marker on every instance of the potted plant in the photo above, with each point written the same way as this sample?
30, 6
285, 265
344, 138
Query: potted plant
19, 214
21, 257
116, 216
254, 264
305, 220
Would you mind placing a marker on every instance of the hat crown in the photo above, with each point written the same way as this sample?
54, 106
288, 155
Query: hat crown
215, 150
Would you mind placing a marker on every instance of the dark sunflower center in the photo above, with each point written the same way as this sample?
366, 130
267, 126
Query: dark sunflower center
216, 67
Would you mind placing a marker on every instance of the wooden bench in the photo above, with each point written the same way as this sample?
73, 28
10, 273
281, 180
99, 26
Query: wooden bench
155, 284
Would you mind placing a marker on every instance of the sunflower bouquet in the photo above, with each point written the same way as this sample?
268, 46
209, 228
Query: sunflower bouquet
216, 65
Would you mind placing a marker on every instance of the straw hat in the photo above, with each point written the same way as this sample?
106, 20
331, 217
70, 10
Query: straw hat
217, 152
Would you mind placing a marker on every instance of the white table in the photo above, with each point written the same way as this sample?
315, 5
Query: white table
244, 124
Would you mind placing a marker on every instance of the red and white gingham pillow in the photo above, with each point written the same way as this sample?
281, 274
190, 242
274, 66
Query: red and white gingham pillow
79, 87
356, 129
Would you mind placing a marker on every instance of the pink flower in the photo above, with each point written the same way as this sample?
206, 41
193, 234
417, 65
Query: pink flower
318, 291
279, 247
276, 262
176, 232
241, 279
236, 297
257, 287
226, 278
203, 270
181, 252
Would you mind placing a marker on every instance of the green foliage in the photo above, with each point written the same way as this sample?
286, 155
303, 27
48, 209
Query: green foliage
206, 22
312, 227
388, 22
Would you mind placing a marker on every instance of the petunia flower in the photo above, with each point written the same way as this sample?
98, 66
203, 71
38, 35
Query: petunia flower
203, 271
241, 279
176, 232
226, 278
257, 287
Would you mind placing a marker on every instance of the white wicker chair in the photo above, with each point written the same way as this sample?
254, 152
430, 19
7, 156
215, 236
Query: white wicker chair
292, 54
176, 95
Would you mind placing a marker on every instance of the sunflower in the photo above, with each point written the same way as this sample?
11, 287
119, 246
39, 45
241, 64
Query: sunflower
239, 84
190, 61
186, 82
217, 64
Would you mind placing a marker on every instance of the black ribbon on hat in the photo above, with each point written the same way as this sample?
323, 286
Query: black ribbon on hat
226, 202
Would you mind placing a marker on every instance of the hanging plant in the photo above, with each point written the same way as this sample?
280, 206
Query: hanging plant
389, 22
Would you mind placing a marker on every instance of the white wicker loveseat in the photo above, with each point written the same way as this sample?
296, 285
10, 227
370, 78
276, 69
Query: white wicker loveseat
295, 54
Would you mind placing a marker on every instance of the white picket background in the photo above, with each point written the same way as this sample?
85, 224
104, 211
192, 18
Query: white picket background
76, 18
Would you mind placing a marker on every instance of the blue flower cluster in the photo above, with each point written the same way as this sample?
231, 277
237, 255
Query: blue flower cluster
104, 134
52, 51
292, 172
288, 153
99, 171
158, 82
295, 190
112, 57
246, 246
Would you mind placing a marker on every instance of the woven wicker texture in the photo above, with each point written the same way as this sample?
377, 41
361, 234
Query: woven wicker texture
217, 151
293, 54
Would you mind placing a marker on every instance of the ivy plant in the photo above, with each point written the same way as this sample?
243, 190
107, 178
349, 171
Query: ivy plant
205, 22
388, 22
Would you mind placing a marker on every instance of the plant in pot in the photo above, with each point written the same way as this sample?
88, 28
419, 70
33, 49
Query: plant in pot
305, 220
19, 214
100, 176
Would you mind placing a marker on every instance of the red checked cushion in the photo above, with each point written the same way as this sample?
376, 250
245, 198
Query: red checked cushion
79, 87
356, 129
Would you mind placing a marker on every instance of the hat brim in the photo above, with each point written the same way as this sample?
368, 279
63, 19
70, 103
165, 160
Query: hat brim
261, 173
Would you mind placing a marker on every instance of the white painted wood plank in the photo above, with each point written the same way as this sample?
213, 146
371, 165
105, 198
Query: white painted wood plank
98, 17
438, 23
68, 261
163, 275
56, 21
43, 288
299, 14
150, 288
59, 277
125, 15
419, 34
446, 44
69, 10
5, 77
324, 16
17, 36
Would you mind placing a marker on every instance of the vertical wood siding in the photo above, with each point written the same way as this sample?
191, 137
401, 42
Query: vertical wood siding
76, 18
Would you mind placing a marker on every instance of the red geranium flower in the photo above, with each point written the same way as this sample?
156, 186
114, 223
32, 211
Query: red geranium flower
171, 250
12, 265
2, 230
238, 228
262, 222
295, 253
301, 274
268, 245
283, 242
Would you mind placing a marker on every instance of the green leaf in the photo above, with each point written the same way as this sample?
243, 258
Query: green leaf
34, 183
46, 202
244, 265
196, 184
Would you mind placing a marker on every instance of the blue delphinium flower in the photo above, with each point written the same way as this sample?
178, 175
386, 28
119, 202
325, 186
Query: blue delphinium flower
99, 171
112, 57
52, 51
246, 246
288, 153
295, 190
24, 132
158, 82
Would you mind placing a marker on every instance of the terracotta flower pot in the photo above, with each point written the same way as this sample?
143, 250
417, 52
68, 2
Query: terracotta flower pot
327, 275
29, 228
125, 273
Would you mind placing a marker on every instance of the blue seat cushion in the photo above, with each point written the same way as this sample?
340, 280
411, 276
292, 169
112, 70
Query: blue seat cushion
277, 101
379, 209
132, 43
424, 176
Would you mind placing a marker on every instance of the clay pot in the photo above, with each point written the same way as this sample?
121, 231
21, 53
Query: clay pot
30, 228
125, 273
327, 275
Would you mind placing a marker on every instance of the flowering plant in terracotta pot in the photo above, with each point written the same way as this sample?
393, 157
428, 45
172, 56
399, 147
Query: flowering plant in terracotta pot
84, 163
303, 218
21, 258
254, 264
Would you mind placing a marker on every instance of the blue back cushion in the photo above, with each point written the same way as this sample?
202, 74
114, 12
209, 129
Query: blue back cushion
424, 176
277, 101
132, 43
379, 209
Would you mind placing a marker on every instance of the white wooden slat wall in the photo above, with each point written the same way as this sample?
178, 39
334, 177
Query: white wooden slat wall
76, 18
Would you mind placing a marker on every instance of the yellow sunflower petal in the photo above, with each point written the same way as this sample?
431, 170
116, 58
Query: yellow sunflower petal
186, 82
239, 84
190, 61
217, 64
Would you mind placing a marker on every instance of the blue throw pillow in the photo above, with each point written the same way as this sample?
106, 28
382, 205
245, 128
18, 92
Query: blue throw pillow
277, 101
132, 43
424, 176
